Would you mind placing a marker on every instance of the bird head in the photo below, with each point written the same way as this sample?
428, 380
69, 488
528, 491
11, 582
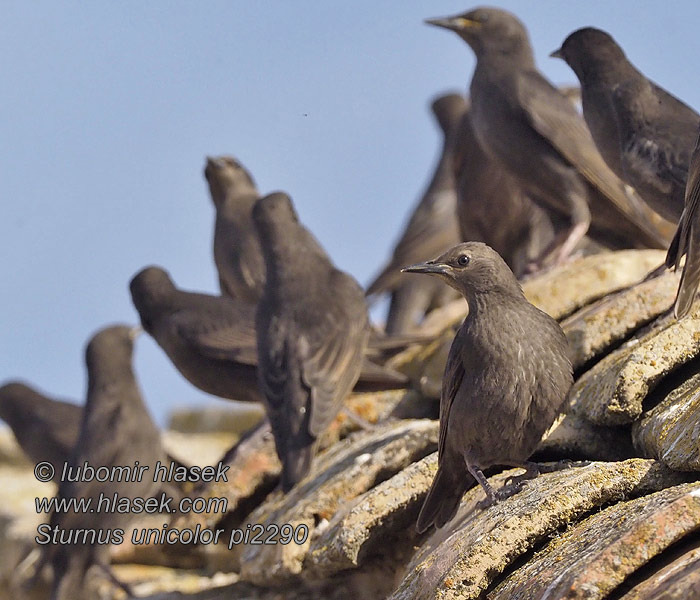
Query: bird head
471, 268
590, 52
151, 289
488, 31
226, 176
448, 110
110, 350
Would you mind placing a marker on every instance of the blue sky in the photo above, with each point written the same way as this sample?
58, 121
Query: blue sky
108, 110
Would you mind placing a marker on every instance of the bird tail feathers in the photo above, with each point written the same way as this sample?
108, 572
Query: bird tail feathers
442, 501
295, 465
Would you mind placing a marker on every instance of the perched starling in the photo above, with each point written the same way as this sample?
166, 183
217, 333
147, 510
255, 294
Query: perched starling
525, 123
506, 379
687, 239
211, 340
493, 208
237, 251
312, 328
644, 133
116, 431
431, 229
45, 429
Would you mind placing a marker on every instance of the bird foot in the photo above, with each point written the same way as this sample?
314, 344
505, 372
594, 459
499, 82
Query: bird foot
496, 496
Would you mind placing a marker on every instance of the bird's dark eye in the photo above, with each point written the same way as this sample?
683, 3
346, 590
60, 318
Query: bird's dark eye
463, 260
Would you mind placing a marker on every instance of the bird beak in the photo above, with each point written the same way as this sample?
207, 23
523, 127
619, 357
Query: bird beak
453, 23
135, 332
213, 162
557, 54
430, 267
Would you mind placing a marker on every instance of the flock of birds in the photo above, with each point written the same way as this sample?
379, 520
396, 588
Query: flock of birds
523, 178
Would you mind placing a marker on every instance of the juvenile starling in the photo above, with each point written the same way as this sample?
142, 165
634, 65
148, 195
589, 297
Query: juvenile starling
312, 328
431, 229
687, 240
506, 379
525, 123
237, 251
45, 429
644, 133
493, 208
116, 430
211, 340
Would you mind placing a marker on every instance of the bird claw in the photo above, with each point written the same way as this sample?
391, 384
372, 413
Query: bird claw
497, 496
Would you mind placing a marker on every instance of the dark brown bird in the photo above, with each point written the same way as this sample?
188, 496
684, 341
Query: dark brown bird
493, 208
431, 229
506, 379
687, 240
237, 251
116, 430
644, 133
312, 327
211, 340
45, 429
525, 123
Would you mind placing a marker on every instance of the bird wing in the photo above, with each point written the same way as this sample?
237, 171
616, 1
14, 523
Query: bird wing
657, 162
220, 328
327, 355
332, 359
451, 382
555, 118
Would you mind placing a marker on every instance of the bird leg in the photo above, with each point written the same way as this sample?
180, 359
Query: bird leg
358, 420
564, 247
491, 494
559, 250
115, 580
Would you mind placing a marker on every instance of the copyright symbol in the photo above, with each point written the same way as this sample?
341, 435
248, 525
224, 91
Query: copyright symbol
44, 471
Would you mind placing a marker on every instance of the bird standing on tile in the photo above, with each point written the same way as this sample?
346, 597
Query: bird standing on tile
312, 329
116, 431
507, 377
209, 339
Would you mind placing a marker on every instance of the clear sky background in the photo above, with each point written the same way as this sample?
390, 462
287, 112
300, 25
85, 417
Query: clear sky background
108, 109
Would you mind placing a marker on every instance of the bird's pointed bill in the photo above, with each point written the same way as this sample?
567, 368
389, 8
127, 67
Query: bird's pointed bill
453, 23
427, 267
556, 54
